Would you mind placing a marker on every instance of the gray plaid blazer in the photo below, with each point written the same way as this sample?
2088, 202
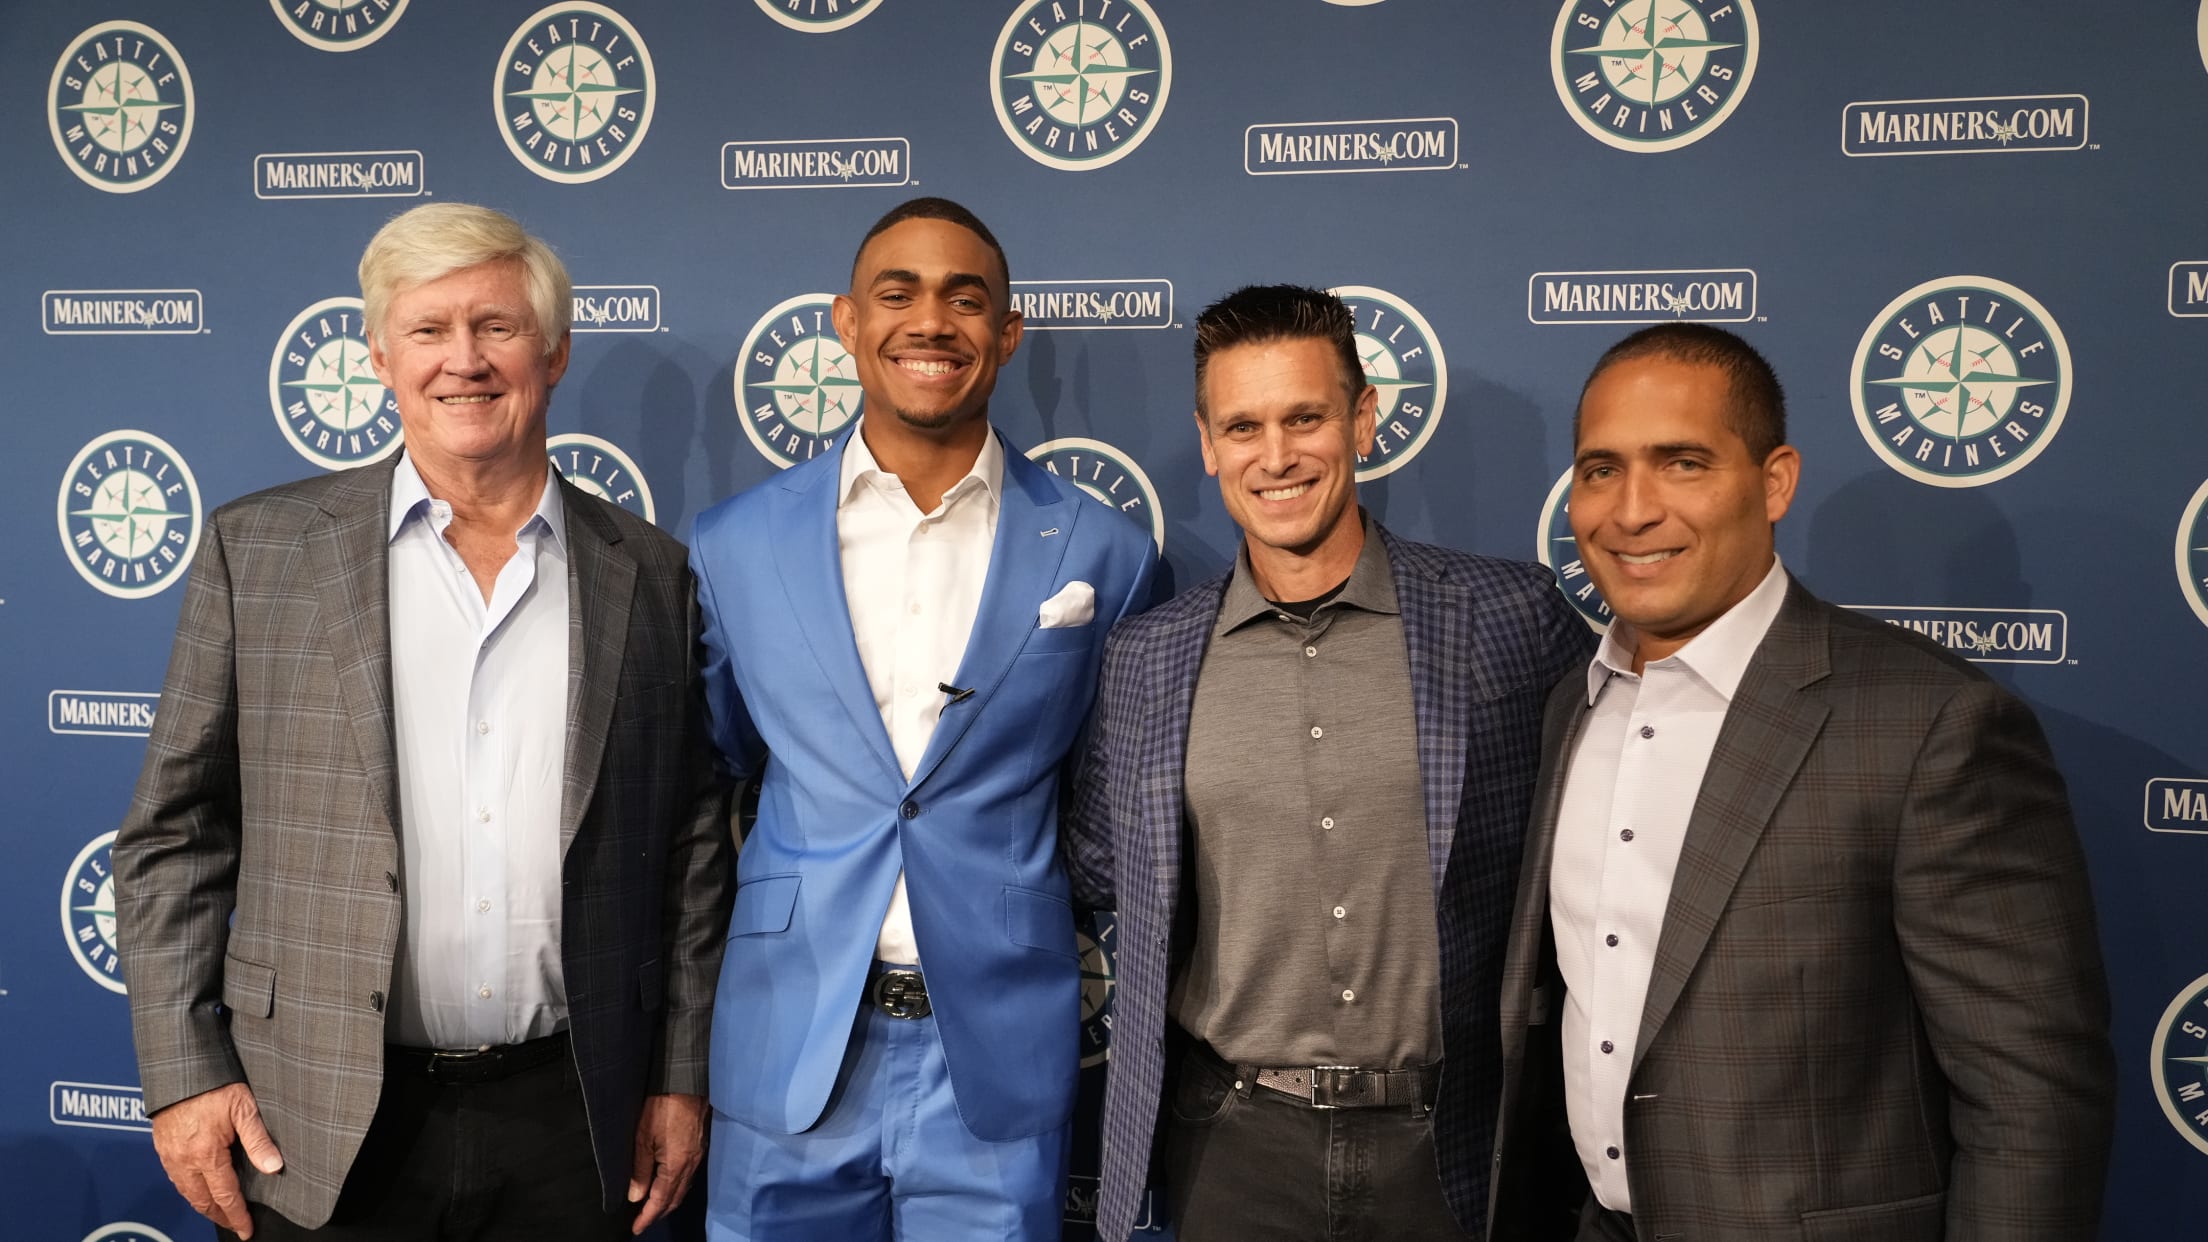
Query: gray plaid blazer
1877, 1011
269, 792
1486, 639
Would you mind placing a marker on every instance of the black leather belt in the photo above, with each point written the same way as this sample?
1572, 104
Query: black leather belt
898, 992
1340, 1086
467, 1066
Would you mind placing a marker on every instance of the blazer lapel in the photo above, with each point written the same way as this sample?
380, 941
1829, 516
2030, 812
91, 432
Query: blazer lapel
601, 583
1034, 527
351, 553
810, 564
1766, 735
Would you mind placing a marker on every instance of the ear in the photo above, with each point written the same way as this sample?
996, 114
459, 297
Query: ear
1203, 445
1365, 421
556, 365
378, 360
1009, 334
1782, 472
844, 313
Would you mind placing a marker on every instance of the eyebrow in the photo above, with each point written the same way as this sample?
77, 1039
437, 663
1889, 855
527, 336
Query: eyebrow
905, 276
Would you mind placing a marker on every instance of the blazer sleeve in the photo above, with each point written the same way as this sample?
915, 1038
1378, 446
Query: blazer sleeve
701, 889
733, 735
1995, 920
176, 854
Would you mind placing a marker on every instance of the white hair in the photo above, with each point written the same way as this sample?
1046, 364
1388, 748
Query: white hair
437, 239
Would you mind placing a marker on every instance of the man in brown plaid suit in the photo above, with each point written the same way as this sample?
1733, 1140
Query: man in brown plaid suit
427, 871
1804, 947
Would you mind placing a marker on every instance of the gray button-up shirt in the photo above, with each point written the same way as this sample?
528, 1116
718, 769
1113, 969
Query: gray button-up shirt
1314, 938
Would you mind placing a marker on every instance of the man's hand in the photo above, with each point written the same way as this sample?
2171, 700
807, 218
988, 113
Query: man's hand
670, 1138
193, 1137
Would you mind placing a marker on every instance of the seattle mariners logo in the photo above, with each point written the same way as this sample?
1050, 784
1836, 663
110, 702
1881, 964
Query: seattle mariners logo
1558, 549
327, 399
574, 92
1403, 359
818, 16
2179, 1060
602, 469
126, 1231
1108, 475
1961, 381
1080, 83
120, 107
88, 912
2192, 553
1097, 947
129, 514
1652, 75
338, 25
797, 388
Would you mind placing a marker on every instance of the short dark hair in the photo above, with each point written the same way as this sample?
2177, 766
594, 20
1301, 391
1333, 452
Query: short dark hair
1257, 314
934, 209
1757, 411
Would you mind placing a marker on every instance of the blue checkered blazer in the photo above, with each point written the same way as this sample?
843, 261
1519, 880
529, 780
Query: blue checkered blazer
1486, 640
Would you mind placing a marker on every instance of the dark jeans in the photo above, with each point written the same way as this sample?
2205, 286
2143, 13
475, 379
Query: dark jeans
505, 1161
1250, 1164
1599, 1224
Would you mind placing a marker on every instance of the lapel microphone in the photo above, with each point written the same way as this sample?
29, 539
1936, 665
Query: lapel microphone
957, 695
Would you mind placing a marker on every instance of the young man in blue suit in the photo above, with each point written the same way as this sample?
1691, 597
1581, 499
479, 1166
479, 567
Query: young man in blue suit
901, 639
1306, 782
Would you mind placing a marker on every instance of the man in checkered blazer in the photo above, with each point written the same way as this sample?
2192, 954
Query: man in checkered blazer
427, 871
1305, 784
1804, 947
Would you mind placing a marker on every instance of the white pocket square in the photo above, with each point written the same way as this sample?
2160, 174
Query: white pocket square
1074, 604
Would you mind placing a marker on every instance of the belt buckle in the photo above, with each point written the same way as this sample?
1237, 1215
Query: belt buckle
1325, 1084
900, 994
462, 1064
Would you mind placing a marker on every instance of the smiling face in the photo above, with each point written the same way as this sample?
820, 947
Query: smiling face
928, 324
1282, 434
467, 365
1672, 514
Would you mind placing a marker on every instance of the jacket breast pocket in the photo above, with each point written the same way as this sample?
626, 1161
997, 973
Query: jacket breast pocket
248, 988
1060, 638
1902, 1220
764, 905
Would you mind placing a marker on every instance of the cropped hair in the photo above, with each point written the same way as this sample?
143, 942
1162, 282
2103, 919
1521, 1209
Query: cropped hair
1756, 411
1260, 314
943, 209
435, 240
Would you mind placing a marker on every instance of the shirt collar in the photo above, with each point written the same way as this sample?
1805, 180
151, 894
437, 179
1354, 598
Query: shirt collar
1719, 655
1371, 585
859, 466
410, 498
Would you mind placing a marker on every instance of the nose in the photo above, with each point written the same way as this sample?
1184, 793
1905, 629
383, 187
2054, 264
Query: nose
931, 319
1640, 503
464, 354
1274, 453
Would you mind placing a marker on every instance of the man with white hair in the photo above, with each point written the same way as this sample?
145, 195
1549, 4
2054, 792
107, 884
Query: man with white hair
427, 869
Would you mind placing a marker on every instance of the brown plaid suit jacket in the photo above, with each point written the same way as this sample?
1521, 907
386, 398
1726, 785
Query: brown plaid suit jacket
1877, 1011
270, 791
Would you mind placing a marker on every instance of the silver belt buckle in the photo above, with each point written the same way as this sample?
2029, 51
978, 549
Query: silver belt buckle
900, 994
1324, 1084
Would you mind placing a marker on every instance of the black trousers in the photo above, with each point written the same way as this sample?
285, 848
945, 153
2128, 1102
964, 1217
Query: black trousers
1240, 1165
505, 1161
1599, 1224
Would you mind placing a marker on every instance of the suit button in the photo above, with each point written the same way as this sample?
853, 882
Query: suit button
391, 880
910, 810
1611, 1152
375, 1001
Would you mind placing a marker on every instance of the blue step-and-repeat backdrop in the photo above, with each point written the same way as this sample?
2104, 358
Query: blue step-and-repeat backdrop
1968, 232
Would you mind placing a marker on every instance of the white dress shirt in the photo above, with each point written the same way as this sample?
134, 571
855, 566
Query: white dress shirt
1629, 793
913, 583
479, 699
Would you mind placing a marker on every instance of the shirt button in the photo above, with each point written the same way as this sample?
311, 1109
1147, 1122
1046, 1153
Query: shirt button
1648, 731
482, 726
1625, 834
1339, 912
1316, 731
1611, 1152
907, 692
1611, 940
1609, 1047
483, 906
1348, 994
484, 991
1310, 651
483, 814
1282, 616
1327, 823
915, 608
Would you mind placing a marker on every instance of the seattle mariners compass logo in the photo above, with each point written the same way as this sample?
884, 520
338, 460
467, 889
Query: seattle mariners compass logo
326, 397
818, 16
120, 107
126, 1231
88, 912
1402, 359
338, 25
1558, 549
2180, 1062
1652, 75
797, 387
602, 469
1079, 84
574, 92
1097, 942
1107, 475
2192, 553
129, 514
1961, 381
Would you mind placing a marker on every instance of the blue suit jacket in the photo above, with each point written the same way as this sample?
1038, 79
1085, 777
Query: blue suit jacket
974, 830
1486, 639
